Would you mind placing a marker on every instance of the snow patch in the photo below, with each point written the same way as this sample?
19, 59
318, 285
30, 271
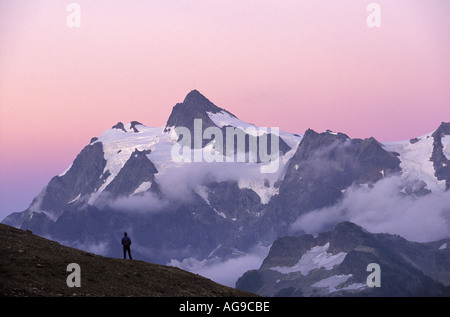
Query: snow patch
142, 188
221, 214
223, 119
334, 281
75, 199
314, 258
118, 146
415, 161
202, 192
264, 192
67, 169
355, 286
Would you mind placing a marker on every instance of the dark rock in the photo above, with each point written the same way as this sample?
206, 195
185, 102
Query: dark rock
324, 165
137, 169
84, 177
441, 163
134, 124
119, 126
194, 106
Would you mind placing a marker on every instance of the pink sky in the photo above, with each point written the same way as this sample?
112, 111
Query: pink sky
288, 64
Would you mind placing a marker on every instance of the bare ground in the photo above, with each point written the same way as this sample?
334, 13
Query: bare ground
33, 266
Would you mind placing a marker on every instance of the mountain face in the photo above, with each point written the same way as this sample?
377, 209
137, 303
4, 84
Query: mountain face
240, 186
335, 263
325, 165
441, 160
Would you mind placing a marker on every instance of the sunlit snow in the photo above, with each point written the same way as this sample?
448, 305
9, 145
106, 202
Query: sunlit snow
334, 281
314, 258
415, 161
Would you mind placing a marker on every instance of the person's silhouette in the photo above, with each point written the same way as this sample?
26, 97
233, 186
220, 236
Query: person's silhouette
126, 242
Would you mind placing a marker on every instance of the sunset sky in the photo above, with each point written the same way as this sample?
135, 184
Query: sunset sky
292, 64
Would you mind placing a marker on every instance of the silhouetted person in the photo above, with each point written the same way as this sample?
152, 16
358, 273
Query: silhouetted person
126, 242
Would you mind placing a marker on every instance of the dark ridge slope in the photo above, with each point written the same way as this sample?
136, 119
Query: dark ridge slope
33, 266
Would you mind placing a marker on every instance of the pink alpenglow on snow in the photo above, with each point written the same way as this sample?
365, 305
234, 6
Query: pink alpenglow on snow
70, 72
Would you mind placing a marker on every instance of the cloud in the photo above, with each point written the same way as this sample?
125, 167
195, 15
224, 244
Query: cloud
178, 184
96, 247
225, 271
101, 248
383, 208
147, 202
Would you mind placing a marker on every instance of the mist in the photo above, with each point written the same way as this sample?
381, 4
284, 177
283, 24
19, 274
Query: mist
225, 271
384, 208
147, 202
180, 184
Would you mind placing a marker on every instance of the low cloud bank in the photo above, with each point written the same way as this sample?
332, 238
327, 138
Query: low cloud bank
225, 271
384, 208
178, 185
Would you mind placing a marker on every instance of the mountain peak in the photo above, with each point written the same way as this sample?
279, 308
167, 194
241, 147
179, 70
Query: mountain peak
196, 97
194, 106
443, 129
196, 102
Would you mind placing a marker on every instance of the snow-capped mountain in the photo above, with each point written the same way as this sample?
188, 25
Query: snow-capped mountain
128, 178
337, 263
207, 181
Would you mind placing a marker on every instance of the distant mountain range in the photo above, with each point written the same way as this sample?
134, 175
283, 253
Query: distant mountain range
208, 188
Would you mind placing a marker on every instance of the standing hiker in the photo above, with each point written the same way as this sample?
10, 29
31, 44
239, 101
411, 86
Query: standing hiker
126, 242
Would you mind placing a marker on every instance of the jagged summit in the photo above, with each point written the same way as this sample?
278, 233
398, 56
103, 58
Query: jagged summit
443, 129
131, 126
194, 106
195, 101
